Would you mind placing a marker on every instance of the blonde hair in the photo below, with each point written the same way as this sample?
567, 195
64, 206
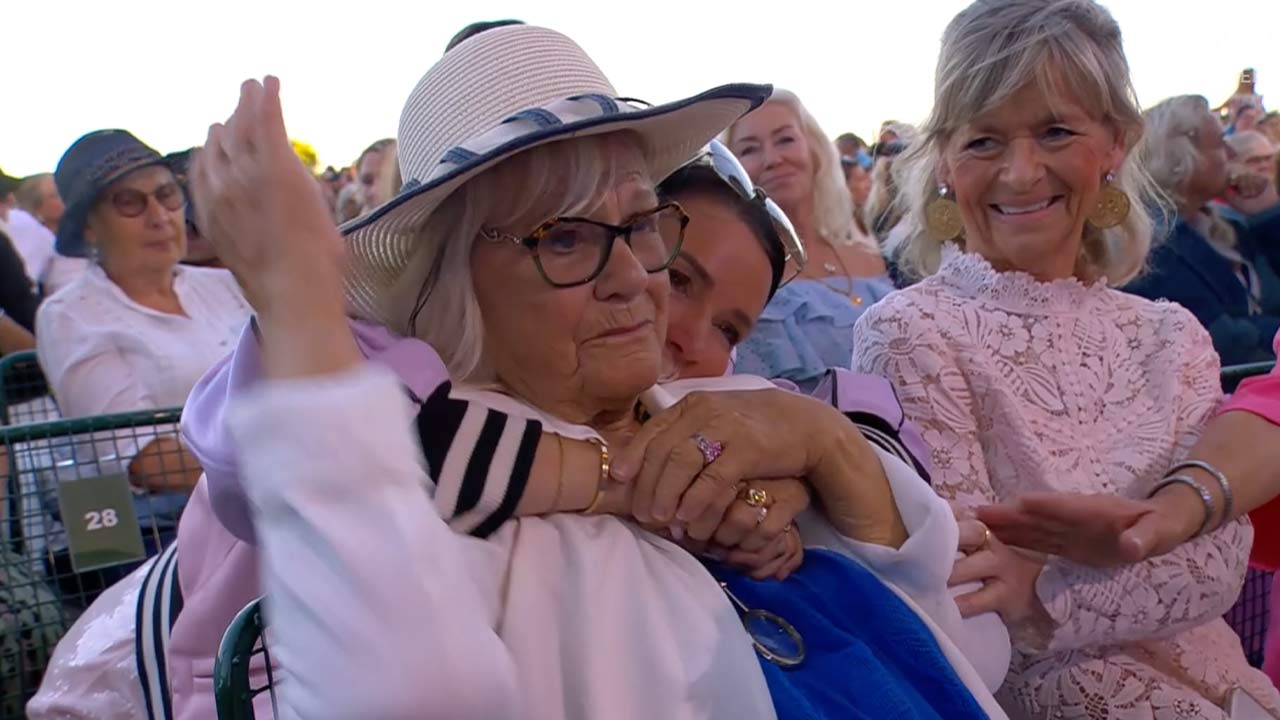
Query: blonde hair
883, 200
832, 206
1069, 48
435, 299
1168, 151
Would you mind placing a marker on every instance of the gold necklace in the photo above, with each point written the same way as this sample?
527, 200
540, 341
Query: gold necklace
831, 268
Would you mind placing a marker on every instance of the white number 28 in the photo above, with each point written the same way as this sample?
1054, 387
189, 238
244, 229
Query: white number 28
98, 520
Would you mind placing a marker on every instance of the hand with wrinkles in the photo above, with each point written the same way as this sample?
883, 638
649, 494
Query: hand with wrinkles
762, 544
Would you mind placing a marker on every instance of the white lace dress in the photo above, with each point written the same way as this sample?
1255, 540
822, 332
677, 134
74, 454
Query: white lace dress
1022, 386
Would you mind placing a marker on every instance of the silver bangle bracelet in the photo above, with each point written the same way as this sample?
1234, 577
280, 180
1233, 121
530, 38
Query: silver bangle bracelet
1205, 496
1227, 500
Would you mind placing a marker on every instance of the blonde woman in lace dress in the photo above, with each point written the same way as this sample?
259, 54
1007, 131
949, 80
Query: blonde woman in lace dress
1029, 372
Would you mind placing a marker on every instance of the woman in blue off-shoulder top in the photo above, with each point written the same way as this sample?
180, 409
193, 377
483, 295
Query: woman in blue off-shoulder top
808, 326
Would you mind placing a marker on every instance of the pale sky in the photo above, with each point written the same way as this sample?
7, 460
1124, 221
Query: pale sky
166, 69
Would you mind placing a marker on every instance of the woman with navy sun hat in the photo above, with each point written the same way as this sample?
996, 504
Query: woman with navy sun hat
137, 330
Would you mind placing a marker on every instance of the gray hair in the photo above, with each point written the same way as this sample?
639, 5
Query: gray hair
435, 298
1168, 151
1168, 148
832, 206
990, 51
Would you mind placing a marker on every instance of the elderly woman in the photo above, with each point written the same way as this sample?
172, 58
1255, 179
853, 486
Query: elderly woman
806, 328
562, 398
1028, 372
732, 259
138, 330
1206, 263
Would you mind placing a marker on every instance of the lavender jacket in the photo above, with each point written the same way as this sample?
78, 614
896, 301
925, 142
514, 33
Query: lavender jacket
218, 568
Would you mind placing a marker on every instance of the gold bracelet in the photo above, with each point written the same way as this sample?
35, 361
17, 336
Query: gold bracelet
604, 475
555, 500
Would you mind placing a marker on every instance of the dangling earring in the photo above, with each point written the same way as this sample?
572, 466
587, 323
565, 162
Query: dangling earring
942, 217
1112, 208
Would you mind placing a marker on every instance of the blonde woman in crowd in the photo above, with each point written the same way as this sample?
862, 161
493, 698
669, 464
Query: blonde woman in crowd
1029, 372
807, 327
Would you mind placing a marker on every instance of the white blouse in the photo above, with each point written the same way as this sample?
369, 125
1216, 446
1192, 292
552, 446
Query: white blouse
564, 616
104, 353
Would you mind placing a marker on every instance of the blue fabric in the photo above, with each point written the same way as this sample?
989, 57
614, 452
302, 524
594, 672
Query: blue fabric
808, 328
1184, 268
868, 655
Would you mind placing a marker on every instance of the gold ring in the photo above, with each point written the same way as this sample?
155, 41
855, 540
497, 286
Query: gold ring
756, 497
986, 537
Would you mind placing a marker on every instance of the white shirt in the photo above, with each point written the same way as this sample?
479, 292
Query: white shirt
564, 616
61, 271
104, 353
33, 241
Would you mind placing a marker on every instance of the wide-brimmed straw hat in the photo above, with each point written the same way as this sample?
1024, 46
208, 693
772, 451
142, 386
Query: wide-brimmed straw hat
497, 94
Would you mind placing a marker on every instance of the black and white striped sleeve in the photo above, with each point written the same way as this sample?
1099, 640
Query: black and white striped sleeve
480, 460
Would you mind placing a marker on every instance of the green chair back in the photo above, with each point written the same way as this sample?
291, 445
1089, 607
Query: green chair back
1233, 375
233, 690
48, 576
24, 394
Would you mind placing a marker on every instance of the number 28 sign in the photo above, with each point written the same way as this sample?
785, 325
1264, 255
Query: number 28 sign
102, 527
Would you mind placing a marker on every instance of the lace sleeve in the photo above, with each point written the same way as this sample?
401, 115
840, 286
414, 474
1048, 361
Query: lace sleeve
898, 339
1168, 594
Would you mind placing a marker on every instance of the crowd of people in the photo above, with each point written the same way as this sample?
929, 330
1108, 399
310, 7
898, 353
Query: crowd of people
563, 405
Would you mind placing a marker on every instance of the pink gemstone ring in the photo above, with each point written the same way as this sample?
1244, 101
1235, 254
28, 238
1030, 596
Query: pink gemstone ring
710, 449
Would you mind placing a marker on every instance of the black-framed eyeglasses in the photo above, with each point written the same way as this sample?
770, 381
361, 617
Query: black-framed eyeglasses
131, 202
722, 160
571, 251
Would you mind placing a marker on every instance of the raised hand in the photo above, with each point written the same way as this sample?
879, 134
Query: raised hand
265, 214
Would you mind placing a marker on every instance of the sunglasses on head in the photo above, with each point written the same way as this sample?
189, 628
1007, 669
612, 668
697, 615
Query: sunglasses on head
131, 202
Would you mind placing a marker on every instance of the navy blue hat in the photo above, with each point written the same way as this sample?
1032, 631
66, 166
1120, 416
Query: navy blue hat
87, 168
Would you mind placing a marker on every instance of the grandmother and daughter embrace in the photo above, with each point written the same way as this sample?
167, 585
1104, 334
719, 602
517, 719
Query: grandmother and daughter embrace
479, 452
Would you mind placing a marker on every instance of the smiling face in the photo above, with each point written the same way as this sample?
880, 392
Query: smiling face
1026, 175
575, 351
776, 155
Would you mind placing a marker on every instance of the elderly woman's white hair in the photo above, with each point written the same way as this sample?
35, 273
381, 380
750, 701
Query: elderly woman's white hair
434, 299
832, 206
1168, 148
1070, 48
1168, 151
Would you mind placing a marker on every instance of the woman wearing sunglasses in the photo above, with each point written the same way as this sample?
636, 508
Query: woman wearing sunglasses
137, 330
